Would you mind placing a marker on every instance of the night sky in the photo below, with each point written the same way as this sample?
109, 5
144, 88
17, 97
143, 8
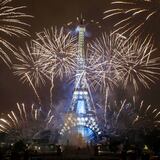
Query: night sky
49, 13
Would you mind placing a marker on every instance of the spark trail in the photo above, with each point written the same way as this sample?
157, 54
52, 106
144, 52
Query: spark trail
29, 67
59, 50
134, 17
114, 60
25, 122
12, 25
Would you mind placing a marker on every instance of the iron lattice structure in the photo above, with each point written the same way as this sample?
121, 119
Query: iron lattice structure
81, 117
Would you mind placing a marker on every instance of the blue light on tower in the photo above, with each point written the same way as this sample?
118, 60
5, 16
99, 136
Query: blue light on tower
86, 132
77, 29
81, 109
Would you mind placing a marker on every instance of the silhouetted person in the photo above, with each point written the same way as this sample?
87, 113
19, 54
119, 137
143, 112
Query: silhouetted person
95, 150
59, 150
124, 154
18, 147
15, 155
1, 154
146, 153
26, 154
145, 156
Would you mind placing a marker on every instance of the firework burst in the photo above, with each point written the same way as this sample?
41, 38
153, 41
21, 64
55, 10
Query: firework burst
59, 54
29, 67
114, 59
12, 24
59, 51
138, 64
101, 67
123, 116
101, 64
147, 116
25, 122
29, 62
134, 16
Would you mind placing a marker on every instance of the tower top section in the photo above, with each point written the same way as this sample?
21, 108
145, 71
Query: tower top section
81, 31
81, 20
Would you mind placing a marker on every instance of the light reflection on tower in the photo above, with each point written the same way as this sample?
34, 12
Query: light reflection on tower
81, 113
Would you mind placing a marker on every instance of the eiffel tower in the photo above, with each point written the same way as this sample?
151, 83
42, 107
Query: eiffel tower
81, 117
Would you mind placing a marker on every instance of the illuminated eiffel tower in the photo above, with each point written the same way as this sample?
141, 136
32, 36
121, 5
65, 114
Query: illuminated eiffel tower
81, 117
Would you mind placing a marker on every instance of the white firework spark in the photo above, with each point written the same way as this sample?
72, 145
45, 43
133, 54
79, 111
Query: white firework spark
147, 116
11, 25
30, 68
134, 16
123, 116
59, 54
25, 122
59, 51
29, 62
101, 61
114, 59
138, 64
101, 64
